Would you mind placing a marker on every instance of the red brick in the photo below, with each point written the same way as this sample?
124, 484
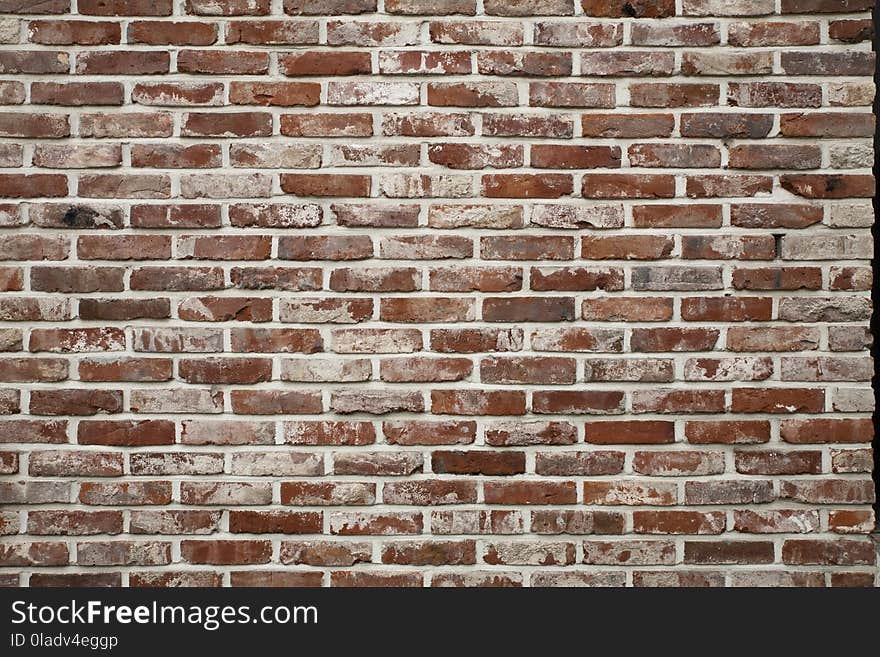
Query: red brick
474, 402
221, 552
471, 296
629, 432
172, 33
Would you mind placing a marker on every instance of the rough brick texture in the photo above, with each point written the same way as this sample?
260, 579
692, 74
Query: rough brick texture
447, 293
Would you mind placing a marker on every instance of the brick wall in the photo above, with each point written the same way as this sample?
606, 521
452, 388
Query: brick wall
436, 292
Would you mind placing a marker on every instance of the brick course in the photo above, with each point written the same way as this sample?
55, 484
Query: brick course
436, 293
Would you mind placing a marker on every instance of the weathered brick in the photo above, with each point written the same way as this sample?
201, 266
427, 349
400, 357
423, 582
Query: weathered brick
525, 293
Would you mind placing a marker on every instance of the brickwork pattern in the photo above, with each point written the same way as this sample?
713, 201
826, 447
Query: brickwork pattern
436, 292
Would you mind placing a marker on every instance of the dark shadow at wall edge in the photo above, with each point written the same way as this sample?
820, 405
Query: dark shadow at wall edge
875, 288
